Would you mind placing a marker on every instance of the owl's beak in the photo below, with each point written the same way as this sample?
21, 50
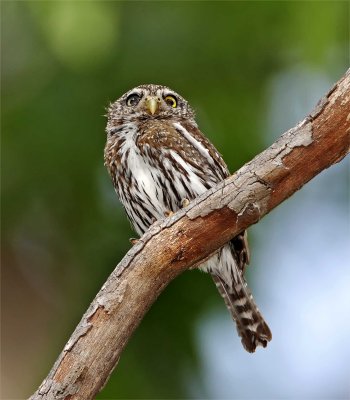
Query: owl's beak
152, 104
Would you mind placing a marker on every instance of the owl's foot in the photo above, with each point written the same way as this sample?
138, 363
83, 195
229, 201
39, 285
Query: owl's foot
185, 203
133, 241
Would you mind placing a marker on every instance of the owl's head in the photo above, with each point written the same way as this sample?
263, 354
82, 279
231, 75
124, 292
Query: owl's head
148, 102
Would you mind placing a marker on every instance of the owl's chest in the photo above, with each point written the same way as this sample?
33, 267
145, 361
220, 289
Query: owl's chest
140, 185
141, 175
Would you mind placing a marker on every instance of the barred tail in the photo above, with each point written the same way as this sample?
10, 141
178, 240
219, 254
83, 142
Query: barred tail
251, 326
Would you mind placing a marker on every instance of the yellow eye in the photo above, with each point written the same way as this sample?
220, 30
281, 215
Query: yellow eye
171, 101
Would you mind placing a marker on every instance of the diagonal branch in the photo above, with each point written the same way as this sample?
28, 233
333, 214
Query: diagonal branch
175, 244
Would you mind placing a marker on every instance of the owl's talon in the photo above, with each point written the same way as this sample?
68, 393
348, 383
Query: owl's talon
185, 202
168, 213
133, 241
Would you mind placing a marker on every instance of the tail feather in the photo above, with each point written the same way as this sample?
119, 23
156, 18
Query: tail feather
251, 326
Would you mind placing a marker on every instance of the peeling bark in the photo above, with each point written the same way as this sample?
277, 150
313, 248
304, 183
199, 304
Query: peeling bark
182, 241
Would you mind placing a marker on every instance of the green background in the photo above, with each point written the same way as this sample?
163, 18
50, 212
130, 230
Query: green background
63, 230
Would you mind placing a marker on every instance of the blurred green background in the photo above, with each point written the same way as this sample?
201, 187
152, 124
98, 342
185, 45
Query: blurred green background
63, 230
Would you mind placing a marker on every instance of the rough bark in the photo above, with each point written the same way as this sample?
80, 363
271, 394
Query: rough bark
175, 244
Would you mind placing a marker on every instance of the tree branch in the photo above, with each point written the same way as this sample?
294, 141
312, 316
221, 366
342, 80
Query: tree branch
177, 243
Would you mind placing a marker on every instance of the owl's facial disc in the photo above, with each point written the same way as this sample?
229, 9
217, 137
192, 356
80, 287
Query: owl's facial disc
149, 102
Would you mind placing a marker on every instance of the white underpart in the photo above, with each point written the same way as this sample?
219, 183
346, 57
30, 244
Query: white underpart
143, 173
223, 267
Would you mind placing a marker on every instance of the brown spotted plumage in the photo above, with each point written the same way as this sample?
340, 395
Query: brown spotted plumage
158, 160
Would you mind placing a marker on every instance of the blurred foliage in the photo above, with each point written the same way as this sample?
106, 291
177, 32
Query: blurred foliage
63, 229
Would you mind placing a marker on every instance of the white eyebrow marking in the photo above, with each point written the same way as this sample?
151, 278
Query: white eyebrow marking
135, 91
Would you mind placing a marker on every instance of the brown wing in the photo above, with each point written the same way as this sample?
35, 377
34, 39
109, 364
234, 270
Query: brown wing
240, 242
214, 154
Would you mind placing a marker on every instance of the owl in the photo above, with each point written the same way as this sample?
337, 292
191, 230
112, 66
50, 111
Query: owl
159, 160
